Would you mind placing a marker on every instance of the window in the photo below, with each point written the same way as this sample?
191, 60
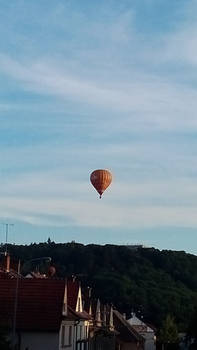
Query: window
70, 335
81, 334
86, 332
66, 336
62, 335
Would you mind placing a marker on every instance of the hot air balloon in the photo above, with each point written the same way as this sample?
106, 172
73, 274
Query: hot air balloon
101, 179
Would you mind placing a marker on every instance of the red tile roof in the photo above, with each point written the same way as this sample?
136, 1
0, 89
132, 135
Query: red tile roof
40, 303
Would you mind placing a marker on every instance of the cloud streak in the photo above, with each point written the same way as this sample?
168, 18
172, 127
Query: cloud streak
81, 91
50, 199
150, 101
81, 213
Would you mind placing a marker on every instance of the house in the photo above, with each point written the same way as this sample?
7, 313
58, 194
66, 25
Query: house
32, 312
74, 332
148, 332
110, 330
102, 333
38, 316
44, 312
49, 313
127, 338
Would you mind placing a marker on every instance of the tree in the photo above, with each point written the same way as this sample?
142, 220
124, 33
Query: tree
4, 344
192, 329
168, 334
49, 240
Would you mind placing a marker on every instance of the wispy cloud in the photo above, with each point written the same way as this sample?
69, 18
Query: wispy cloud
49, 198
150, 101
175, 51
81, 213
82, 87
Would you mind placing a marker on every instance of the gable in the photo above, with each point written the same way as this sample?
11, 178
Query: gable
74, 295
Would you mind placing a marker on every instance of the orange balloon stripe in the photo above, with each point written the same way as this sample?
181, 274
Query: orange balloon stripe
101, 179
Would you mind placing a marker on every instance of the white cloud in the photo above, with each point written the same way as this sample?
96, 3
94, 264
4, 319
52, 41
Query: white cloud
95, 214
50, 199
57, 184
149, 101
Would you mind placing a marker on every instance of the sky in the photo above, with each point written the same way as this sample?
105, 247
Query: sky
88, 85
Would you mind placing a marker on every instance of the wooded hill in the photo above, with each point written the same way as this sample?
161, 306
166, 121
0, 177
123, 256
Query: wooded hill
150, 282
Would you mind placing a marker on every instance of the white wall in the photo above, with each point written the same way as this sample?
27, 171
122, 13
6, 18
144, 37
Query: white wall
149, 334
66, 325
39, 341
149, 341
80, 331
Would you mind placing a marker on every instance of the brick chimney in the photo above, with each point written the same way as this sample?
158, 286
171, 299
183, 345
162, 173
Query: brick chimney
7, 261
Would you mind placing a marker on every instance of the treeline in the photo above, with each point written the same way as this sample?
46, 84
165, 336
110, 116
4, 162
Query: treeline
150, 282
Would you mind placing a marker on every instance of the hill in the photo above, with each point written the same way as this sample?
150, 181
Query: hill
153, 283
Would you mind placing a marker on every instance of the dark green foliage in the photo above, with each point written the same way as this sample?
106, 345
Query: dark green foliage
192, 328
153, 282
169, 333
4, 344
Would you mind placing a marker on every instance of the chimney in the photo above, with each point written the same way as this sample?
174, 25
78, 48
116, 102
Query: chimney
6, 262
98, 314
73, 278
89, 292
104, 316
111, 320
65, 302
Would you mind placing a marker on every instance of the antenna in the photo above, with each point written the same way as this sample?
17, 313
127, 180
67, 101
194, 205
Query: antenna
7, 225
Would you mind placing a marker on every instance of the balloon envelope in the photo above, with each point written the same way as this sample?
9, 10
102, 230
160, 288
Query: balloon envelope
101, 179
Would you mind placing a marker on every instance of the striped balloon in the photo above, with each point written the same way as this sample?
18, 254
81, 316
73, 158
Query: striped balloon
101, 179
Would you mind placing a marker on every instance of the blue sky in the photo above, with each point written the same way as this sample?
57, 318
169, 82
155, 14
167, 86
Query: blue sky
99, 84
